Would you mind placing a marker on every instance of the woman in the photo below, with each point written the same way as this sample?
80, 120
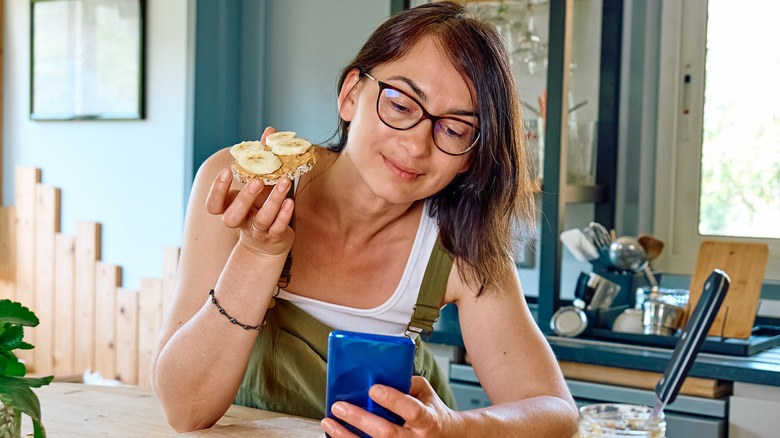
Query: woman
430, 145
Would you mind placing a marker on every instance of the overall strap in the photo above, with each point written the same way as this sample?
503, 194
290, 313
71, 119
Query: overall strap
432, 289
284, 278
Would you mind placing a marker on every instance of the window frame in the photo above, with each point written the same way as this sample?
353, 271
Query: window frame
677, 183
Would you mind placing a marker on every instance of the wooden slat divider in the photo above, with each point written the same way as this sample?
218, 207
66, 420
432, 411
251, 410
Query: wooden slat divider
47, 212
64, 304
88, 321
7, 253
25, 180
107, 280
170, 266
127, 336
149, 325
87, 255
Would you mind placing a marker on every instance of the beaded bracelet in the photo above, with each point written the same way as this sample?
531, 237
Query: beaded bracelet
231, 319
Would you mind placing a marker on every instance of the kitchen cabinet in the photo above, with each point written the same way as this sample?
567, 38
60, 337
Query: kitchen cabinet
561, 74
556, 191
753, 410
688, 416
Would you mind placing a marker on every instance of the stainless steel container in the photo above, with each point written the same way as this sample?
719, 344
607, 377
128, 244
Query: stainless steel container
661, 318
678, 297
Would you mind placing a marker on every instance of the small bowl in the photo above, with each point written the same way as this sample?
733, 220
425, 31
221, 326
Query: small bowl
629, 321
661, 318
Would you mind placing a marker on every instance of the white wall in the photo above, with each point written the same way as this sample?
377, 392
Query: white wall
309, 42
126, 175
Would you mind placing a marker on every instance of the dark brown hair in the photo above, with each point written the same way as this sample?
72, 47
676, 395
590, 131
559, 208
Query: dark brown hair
482, 209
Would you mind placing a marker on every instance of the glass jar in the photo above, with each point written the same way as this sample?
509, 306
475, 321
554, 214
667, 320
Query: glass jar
612, 420
10, 421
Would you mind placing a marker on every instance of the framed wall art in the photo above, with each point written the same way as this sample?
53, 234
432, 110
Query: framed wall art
87, 59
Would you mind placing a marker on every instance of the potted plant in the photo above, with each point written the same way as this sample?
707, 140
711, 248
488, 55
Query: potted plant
16, 395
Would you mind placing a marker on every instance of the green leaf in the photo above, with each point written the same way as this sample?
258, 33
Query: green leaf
16, 313
38, 430
25, 346
11, 337
16, 368
37, 382
10, 364
15, 391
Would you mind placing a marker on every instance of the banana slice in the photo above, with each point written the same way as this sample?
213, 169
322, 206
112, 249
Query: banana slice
289, 146
279, 136
245, 147
259, 162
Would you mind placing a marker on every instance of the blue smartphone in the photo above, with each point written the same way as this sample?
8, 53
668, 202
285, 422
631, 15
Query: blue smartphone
356, 361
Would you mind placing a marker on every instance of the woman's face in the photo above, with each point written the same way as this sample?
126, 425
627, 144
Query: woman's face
404, 166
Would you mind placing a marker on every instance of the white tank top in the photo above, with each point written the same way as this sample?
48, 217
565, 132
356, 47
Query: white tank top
392, 316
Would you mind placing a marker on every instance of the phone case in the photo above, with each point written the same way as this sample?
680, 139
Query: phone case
356, 361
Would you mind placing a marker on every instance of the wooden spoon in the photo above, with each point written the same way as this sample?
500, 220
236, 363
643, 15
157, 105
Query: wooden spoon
653, 247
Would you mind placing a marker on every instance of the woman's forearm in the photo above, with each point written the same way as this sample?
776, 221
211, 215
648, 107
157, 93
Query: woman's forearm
544, 416
199, 369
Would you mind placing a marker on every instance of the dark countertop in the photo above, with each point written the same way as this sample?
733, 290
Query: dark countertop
761, 368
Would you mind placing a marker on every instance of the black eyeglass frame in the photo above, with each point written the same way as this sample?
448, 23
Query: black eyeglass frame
425, 116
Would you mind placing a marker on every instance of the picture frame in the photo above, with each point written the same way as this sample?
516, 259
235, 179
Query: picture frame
87, 59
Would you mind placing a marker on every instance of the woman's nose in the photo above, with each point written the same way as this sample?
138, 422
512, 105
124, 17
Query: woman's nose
418, 140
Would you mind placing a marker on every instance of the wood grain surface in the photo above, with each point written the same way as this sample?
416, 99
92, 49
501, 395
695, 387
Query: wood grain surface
745, 264
80, 410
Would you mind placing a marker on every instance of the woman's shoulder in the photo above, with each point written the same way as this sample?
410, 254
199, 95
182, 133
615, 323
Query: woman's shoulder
213, 165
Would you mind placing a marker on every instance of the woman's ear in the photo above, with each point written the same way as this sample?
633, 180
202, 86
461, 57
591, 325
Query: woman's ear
348, 95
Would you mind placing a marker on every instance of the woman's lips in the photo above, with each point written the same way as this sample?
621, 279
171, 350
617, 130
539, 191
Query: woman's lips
403, 173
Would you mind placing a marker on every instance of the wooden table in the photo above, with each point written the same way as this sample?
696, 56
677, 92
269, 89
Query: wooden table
80, 410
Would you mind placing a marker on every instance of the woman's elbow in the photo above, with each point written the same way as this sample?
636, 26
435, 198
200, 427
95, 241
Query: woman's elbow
186, 420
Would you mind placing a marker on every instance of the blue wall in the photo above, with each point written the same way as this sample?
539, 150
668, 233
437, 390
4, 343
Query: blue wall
242, 65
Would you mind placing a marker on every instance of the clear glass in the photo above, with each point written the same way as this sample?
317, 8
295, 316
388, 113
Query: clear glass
609, 420
740, 167
10, 421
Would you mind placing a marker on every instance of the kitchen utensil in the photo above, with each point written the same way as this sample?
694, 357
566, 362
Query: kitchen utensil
626, 254
745, 263
712, 296
569, 321
653, 247
661, 318
601, 236
579, 245
595, 291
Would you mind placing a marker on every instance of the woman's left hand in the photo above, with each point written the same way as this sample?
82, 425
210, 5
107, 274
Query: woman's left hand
424, 413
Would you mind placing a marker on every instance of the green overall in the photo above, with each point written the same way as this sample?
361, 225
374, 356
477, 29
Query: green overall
287, 368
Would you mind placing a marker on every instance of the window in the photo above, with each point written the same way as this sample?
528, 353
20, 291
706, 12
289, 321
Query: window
718, 162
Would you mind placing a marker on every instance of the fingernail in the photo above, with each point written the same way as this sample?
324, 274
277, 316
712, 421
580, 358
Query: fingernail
224, 175
377, 393
338, 409
254, 186
327, 426
287, 204
283, 185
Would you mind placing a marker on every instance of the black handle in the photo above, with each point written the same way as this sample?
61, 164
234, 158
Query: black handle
693, 336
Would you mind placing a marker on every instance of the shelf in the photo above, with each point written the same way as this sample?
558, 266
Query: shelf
556, 192
580, 193
583, 193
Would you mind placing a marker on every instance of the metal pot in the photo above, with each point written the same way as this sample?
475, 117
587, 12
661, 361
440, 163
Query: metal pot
661, 318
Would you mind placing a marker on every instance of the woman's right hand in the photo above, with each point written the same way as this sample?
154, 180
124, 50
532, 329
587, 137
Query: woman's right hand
262, 213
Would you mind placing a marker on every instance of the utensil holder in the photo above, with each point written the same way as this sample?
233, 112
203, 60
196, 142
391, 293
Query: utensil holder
629, 282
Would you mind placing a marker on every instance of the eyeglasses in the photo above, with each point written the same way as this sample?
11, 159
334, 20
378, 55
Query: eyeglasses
401, 111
